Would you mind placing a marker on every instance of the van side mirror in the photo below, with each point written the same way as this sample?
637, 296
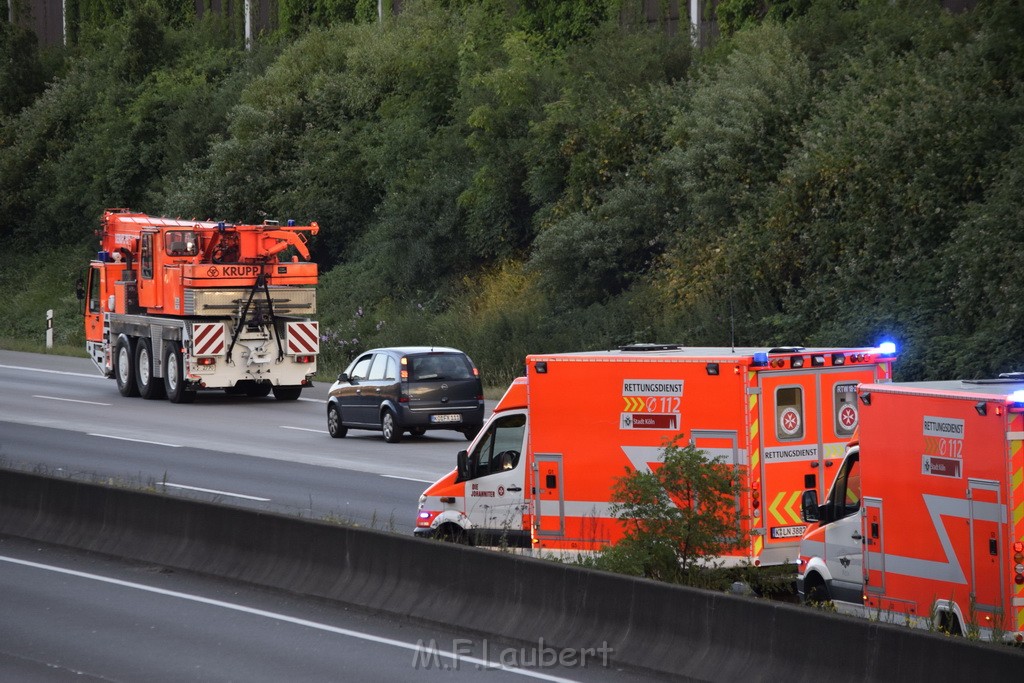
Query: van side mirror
809, 506
462, 465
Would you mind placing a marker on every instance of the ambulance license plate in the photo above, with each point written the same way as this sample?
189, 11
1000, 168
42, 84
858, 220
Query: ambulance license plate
449, 417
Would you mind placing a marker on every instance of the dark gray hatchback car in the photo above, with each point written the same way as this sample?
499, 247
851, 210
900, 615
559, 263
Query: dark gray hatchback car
407, 389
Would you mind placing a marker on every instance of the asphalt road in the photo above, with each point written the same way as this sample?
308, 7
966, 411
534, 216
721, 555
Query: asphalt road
68, 615
74, 616
58, 415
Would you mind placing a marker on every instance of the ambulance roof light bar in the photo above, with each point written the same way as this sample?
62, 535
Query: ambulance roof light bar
887, 348
1015, 401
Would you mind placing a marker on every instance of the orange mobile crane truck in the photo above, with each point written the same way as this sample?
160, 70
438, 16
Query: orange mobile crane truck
540, 473
924, 522
174, 306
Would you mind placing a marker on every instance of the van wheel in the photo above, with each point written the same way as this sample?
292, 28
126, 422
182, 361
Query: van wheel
335, 427
174, 377
150, 387
389, 425
124, 366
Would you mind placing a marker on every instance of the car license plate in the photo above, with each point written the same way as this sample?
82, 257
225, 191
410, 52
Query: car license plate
450, 417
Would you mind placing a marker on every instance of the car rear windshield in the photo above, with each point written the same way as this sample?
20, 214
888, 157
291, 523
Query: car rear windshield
439, 366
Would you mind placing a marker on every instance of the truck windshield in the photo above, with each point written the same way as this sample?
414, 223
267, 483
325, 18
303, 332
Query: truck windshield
499, 449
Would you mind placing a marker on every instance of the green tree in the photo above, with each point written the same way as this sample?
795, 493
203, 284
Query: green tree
678, 517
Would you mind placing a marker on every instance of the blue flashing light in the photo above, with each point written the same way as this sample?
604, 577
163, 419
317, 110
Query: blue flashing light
103, 256
760, 358
291, 222
221, 226
887, 348
1016, 397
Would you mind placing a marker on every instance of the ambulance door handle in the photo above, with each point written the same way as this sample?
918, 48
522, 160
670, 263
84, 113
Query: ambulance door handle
856, 536
514, 489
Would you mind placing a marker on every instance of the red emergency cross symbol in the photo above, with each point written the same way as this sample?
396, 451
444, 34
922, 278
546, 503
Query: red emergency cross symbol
848, 416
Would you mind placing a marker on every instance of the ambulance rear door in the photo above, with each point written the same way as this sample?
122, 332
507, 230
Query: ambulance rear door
808, 416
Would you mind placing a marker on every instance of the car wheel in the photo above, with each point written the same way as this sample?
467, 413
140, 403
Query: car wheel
334, 425
389, 425
418, 431
124, 366
150, 387
287, 393
471, 432
174, 377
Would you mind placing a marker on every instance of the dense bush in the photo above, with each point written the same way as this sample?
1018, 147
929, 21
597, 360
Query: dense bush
545, 176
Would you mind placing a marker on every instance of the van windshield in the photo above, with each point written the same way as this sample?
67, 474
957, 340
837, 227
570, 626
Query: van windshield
439, 366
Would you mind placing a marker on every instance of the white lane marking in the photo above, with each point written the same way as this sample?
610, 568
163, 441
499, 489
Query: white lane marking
219, 493
395, 476
53, 372
70, 400
304, 429
313, 400
359, 635
125, 438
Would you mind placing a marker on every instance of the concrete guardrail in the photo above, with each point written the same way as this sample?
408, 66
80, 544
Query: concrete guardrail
690, 633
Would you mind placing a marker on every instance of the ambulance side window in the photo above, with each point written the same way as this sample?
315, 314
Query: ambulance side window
789, 413
499, 449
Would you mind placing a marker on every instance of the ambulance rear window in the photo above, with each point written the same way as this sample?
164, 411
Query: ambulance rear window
789, 413
844, 405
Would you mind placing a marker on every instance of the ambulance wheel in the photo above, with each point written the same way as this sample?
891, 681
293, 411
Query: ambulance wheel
150, 387
452, 533
816, 592
335, 427
174, 377
389, 425
124, 366
287, 393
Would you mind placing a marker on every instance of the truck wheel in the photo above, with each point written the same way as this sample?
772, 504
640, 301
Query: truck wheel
124, 366
150, 387
335, 427
174, 377
287, 393
389, 425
